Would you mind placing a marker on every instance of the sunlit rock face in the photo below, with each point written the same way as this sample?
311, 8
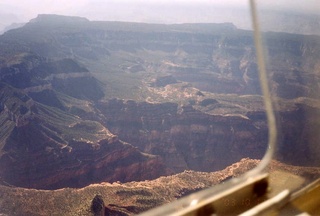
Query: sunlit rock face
84, 102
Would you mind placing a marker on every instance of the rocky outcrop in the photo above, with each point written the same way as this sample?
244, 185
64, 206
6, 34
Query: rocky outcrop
97, 206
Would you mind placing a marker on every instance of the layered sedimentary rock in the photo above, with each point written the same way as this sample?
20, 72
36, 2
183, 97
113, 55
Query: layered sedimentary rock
186, 138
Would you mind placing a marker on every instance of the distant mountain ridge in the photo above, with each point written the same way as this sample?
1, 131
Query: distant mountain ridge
11, 26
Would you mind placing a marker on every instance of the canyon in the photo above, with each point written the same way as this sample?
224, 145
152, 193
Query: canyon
86, 102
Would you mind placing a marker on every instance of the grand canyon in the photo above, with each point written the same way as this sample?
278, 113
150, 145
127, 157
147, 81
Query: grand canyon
143, 114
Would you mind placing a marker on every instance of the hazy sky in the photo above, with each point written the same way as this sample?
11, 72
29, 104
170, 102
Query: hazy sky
107, 9
99, 9
152, 11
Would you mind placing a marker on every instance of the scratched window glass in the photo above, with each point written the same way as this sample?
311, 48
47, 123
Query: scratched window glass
292, 46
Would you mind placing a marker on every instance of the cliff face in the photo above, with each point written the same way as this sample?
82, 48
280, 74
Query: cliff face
77, 164
186, 138
190, 139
